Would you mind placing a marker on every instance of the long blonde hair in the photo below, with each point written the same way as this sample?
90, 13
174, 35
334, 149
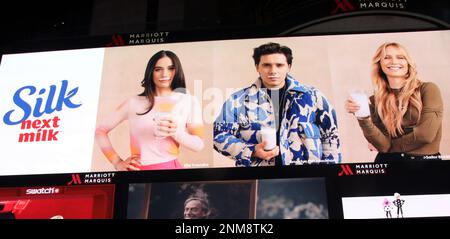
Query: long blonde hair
390, 108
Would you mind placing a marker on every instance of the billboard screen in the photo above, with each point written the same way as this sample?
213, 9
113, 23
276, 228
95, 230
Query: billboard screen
83, 110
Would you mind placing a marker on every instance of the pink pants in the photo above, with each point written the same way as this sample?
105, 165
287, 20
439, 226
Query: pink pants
173, 164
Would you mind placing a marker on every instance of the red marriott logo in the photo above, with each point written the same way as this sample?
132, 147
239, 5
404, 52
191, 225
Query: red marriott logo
75, 179
117, 40
346, 170
342, 5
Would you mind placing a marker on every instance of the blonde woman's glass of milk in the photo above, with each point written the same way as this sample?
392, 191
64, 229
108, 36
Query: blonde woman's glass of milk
361, 99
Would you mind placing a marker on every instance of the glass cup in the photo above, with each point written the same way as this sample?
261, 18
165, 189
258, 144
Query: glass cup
269, 135
361, 99
164, 107
158, 117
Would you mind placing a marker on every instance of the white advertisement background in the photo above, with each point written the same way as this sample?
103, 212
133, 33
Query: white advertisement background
72, 152
433, 205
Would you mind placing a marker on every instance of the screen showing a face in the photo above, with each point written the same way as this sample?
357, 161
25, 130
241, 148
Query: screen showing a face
192, 200
85, 110
296, 198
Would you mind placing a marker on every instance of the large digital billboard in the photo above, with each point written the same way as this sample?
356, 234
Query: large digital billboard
83, 110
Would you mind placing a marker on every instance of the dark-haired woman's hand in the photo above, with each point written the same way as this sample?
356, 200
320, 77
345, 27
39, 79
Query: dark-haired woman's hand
167, 126
132, 163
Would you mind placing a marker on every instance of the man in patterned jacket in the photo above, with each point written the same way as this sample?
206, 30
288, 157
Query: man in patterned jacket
304, 120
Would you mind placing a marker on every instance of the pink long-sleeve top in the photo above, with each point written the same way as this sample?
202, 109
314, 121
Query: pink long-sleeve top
183, 108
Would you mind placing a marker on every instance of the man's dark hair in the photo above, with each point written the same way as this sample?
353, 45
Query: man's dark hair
272, 48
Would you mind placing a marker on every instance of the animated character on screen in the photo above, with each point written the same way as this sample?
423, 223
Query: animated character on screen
277, 120
405, 117
387, 207
196, 208
162, 118
399, 204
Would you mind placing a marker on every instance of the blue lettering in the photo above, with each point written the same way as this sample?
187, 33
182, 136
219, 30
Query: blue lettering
66, 99
22, 104
36, 112
63, 99
51, 95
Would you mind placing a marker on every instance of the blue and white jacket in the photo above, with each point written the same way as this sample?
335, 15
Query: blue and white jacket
308, 129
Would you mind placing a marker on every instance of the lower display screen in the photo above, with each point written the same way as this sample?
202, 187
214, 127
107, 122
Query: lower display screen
234, 199
57, 202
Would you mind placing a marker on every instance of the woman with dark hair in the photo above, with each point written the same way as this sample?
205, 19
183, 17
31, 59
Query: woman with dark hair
161, 119
405, 122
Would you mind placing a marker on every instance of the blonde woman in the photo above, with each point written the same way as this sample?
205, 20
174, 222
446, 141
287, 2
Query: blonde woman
405, 121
